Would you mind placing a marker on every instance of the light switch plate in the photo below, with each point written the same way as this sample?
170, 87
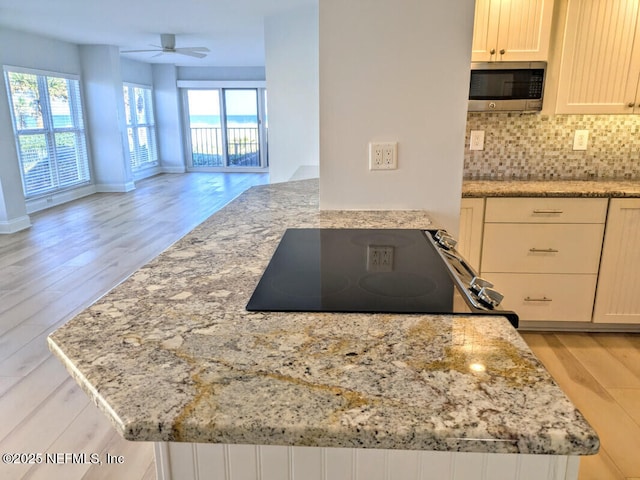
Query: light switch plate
476, 142
580, 139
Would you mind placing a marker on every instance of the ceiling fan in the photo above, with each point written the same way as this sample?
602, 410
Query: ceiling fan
168, 45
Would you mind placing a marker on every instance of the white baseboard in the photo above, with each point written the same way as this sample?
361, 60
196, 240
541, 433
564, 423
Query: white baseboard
173, 169
58, 198
115, 187
15, 224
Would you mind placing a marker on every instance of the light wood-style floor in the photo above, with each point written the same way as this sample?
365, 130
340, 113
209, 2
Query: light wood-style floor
72, 255
600, 373
75, 253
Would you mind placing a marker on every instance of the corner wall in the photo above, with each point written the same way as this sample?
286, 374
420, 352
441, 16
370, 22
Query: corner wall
104, 108
394, 71
291, 57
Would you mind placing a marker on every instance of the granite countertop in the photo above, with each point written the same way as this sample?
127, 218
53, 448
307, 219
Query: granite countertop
171, 354
551, 188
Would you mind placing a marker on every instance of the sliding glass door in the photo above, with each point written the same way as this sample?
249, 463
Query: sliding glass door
226, 130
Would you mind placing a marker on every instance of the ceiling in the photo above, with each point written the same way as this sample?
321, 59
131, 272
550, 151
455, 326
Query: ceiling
232, 29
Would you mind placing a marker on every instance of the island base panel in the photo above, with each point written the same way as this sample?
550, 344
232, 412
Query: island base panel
186, 461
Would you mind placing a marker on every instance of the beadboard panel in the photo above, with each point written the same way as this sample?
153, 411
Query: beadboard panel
483, 34
524, 28
470, 232
600, 67
617, 299
189, 461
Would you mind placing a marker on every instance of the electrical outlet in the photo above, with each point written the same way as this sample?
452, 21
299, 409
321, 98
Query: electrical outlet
476, 142
580, 139
375, 156
383, 156
379, 258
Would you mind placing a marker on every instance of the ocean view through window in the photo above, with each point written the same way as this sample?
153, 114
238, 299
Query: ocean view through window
226, 128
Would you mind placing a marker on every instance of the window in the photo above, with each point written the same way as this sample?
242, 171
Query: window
226, 128
141, 128
46, 110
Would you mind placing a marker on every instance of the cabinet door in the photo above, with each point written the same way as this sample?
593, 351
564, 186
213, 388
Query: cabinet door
485, 30
600, 57
617, 299
519, 28
470, 235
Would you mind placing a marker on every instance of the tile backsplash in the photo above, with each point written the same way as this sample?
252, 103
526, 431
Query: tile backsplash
535, 146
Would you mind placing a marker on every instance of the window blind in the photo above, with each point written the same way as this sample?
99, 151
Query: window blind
49, 131
141, 129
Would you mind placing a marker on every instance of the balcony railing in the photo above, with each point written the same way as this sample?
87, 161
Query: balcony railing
207, 149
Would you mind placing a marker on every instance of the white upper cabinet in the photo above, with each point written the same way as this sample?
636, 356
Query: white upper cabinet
600, 58
512, 30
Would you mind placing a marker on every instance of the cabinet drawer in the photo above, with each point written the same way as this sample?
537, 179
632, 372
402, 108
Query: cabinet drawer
566, 298
546, 210
540, 248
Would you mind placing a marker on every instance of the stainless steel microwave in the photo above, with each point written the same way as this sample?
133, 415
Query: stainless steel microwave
506, 86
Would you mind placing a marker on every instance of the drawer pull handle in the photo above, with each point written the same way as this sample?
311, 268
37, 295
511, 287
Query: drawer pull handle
551, 210
543, 299
543, 250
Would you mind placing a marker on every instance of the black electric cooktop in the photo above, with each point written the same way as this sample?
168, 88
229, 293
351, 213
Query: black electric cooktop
355, 270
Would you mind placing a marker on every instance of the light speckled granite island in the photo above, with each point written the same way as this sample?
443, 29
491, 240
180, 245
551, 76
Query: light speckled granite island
172, 356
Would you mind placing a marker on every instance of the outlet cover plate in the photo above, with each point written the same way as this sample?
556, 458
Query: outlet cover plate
476, 142
580, 139
383, 156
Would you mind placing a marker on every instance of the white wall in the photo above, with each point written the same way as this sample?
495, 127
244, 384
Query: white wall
106, 124
166, 99
28, 51
394, 71
136, 72
291, 57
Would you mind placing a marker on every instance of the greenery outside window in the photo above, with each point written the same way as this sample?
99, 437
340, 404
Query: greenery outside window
141, 128
46, 111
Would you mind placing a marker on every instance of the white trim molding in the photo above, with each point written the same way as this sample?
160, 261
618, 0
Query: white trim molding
115, 187
222, 84
58, 198
15, 225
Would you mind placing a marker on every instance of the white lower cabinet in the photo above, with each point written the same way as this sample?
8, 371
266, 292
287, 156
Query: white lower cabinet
617, 300
543, 254
547, 297
470, 233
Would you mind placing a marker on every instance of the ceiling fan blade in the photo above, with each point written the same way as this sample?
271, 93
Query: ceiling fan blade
189, 52
195, 49
139, 51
